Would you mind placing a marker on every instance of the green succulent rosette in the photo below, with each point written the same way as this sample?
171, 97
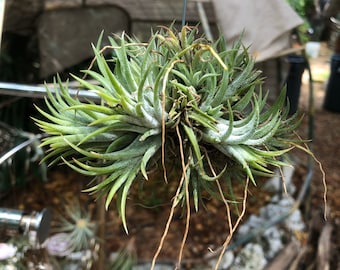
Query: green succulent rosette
177, 101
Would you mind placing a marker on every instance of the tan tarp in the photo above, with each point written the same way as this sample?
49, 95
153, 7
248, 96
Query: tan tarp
266, 24
65, 35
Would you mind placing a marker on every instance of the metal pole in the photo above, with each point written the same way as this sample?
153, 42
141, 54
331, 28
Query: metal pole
184, 12
31, 91
20, 146
13, 220
204, 20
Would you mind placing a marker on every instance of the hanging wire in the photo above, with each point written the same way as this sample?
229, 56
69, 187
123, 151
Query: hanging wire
184, 12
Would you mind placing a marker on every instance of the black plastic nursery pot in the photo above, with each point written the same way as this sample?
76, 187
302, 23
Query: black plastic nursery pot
332, 97
297, 65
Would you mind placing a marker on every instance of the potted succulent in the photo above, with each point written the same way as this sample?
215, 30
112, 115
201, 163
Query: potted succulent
304, 35
177, 101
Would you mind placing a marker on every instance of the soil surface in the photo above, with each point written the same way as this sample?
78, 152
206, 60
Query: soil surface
208, 229
326, 148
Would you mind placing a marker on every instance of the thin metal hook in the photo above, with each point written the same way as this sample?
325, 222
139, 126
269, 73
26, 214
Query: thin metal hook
184, 12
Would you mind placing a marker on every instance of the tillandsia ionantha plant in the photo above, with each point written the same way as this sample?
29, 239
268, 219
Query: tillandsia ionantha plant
78, 228
177, 101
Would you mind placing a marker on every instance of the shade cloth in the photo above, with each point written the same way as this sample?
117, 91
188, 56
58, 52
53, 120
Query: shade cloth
265, 25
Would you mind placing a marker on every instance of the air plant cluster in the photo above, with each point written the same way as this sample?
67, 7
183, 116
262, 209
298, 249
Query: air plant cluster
177, 102
77, 230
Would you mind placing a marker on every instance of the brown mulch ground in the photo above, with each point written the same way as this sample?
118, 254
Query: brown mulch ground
146, 216
208, 227
326, 147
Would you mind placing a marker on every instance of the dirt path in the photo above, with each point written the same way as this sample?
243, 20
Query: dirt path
326, 147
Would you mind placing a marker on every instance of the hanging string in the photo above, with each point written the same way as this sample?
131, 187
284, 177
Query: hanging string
184, 12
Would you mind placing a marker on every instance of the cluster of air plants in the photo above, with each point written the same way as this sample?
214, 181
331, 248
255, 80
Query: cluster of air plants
78, 227
177, 103
73, 244
74, 241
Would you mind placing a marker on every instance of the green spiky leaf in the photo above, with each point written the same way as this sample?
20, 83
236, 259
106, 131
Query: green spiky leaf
177, 95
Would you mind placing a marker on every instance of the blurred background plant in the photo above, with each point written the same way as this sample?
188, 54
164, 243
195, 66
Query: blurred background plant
125, 258
20, 155
316, 15
73, 244
304, 32
74, 241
